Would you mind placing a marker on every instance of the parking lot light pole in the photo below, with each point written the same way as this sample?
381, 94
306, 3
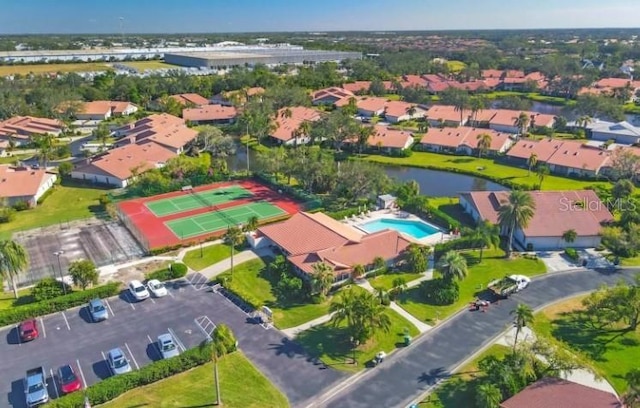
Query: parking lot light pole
57, 254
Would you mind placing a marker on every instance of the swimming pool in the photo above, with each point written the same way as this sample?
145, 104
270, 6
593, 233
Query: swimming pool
416, 229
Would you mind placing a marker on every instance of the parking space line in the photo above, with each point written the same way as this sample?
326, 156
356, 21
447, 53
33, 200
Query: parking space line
170, 294
84, 380
152, 301
19, 337
65, 320
44, 331
109, 306
132, 357
178, 341
55, 384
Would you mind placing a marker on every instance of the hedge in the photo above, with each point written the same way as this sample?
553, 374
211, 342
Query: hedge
456, 245
31, 310
174, 271
114, 386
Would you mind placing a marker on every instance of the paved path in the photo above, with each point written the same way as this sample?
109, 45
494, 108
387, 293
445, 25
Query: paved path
216, 269
412, 371
294, 331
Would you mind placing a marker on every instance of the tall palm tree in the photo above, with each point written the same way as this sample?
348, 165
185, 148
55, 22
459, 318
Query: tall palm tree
532, 161
217, 347
323, 277
13, 260
522, 123
460, 104
484, 143
476, 104
452, 266
362, 312
233, 237
524, 316
542, 172
487, 235
488, 396
515, 213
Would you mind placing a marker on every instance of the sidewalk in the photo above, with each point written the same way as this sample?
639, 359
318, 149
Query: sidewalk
216, 269
184, 251
294, 331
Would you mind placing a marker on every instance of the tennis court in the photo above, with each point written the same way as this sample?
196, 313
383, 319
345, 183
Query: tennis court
222, 219
196, 200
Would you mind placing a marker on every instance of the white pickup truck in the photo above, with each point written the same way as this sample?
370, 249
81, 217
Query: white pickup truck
509, 285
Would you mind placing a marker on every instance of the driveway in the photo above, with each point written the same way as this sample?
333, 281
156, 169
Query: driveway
189, 312
412, 371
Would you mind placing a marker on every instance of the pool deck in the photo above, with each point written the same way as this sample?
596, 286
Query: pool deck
356, 220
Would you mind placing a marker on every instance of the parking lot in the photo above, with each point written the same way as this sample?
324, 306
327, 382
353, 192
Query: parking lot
189, 312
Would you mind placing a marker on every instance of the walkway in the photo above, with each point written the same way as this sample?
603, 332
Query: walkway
217, 268
292, 332
411, 372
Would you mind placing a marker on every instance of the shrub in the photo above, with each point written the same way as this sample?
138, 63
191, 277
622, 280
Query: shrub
20, 313
104, 199
47, 288
440, 291
7, 214
178, 270
21, 206
456, 245
174, 271
572, 254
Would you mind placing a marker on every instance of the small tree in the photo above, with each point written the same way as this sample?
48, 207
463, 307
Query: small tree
233, 237
251, 225
380, 265
570, 236
452, 266
399, 286
532, 162
47, 288
524, 316
323, 277
83, 273
488, 396
358, 271
65, 168
417, 258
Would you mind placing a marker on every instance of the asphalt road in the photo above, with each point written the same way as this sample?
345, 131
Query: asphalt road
189, 312
412, 371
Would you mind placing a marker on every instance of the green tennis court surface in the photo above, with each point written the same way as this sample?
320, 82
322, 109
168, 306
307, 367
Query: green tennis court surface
222, 219
192, 201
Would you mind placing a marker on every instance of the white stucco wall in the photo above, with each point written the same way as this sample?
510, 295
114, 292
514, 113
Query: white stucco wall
94, 178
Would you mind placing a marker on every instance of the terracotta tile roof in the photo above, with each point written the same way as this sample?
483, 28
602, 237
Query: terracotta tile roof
517, 80
334, 91
535, 76
210, 112
390, 138
435, 87
498, 139
190, 99
104, 107
492, 73
492, 82
363, 86
557, 393
21, 181
434, 78
165, 129
118, 162
612, 83
505, 117
400, 108
255, 90
484, 115
414, 81
543, 149
555, 213
287, 126
447, 113
467, 136
372, 103
22, 127
579, 156
514, 73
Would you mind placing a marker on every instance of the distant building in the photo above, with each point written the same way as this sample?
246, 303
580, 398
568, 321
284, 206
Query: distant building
24, 184
388, 140
20, 129
101, 110
620, 132
329, 96
166, 130
558, 393
210, 115
288, 123
464, 140
190, 99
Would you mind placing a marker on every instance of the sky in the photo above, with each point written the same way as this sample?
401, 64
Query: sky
183, 16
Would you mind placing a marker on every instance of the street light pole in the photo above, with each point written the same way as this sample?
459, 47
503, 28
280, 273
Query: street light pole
57, 254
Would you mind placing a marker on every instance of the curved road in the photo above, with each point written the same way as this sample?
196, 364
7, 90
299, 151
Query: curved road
412, 371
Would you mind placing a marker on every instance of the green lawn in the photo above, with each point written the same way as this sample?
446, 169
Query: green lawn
241, 385
635, 261
385, 282
332, 345
7, 300
493, 266
48, 68
451, 207
210, 255
456, 66
612, 354
14, 158
458, 391
142, 65
482, 168
250, 278
66, 203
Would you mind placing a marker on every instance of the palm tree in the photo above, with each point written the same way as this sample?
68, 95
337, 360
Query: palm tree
488, 396
399, 285
452, 266
218, 346
358, 271
286, 113
379, 265
411, 110
569, 236
484, 143
532, 161
251, 225
13, 260
632, 397
461, 103
364, 133
102, 134
423, 126
515, 213
487, 235
477, 104
522, 123
584, 121
362, 312
542, 172
233, 237
323, 277
524, 316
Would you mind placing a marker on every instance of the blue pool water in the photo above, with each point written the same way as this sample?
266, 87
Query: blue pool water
416, 229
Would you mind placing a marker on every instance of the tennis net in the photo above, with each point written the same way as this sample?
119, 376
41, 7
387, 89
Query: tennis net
201, 199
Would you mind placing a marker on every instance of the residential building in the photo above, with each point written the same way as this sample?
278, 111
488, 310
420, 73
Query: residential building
397, 111
388, 140
620, 132
5, 146
24, 184
553, 392
556, 212
210, 114
288, 122
330, 96
166, 130
464, 140
190, 99
446, 115
101, 110
504, 120
118, 166
369, 106
413, 81
362, 87
21, 129
306, 239
238, 97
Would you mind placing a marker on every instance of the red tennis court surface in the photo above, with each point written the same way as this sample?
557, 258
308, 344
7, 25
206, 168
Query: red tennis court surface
153, 233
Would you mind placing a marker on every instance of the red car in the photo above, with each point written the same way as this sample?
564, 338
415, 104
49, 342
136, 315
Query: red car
69, 381
28, 330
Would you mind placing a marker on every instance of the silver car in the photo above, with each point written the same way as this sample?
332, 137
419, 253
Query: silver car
118, 362
97, 310
167, 346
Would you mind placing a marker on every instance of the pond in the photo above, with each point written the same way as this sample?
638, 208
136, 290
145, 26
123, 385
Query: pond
432, 182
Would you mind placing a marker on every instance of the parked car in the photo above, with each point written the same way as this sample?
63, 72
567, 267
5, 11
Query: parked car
117, 361
97, 310
138, 290
69, 381
35, 387
157, 288
28, 330
167, 346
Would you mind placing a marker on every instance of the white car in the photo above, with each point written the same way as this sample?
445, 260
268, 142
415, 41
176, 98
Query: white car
157, 288
167, 346
520, 280
138, 290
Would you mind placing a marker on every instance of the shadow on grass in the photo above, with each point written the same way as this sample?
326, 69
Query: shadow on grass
328, 342
24, 300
